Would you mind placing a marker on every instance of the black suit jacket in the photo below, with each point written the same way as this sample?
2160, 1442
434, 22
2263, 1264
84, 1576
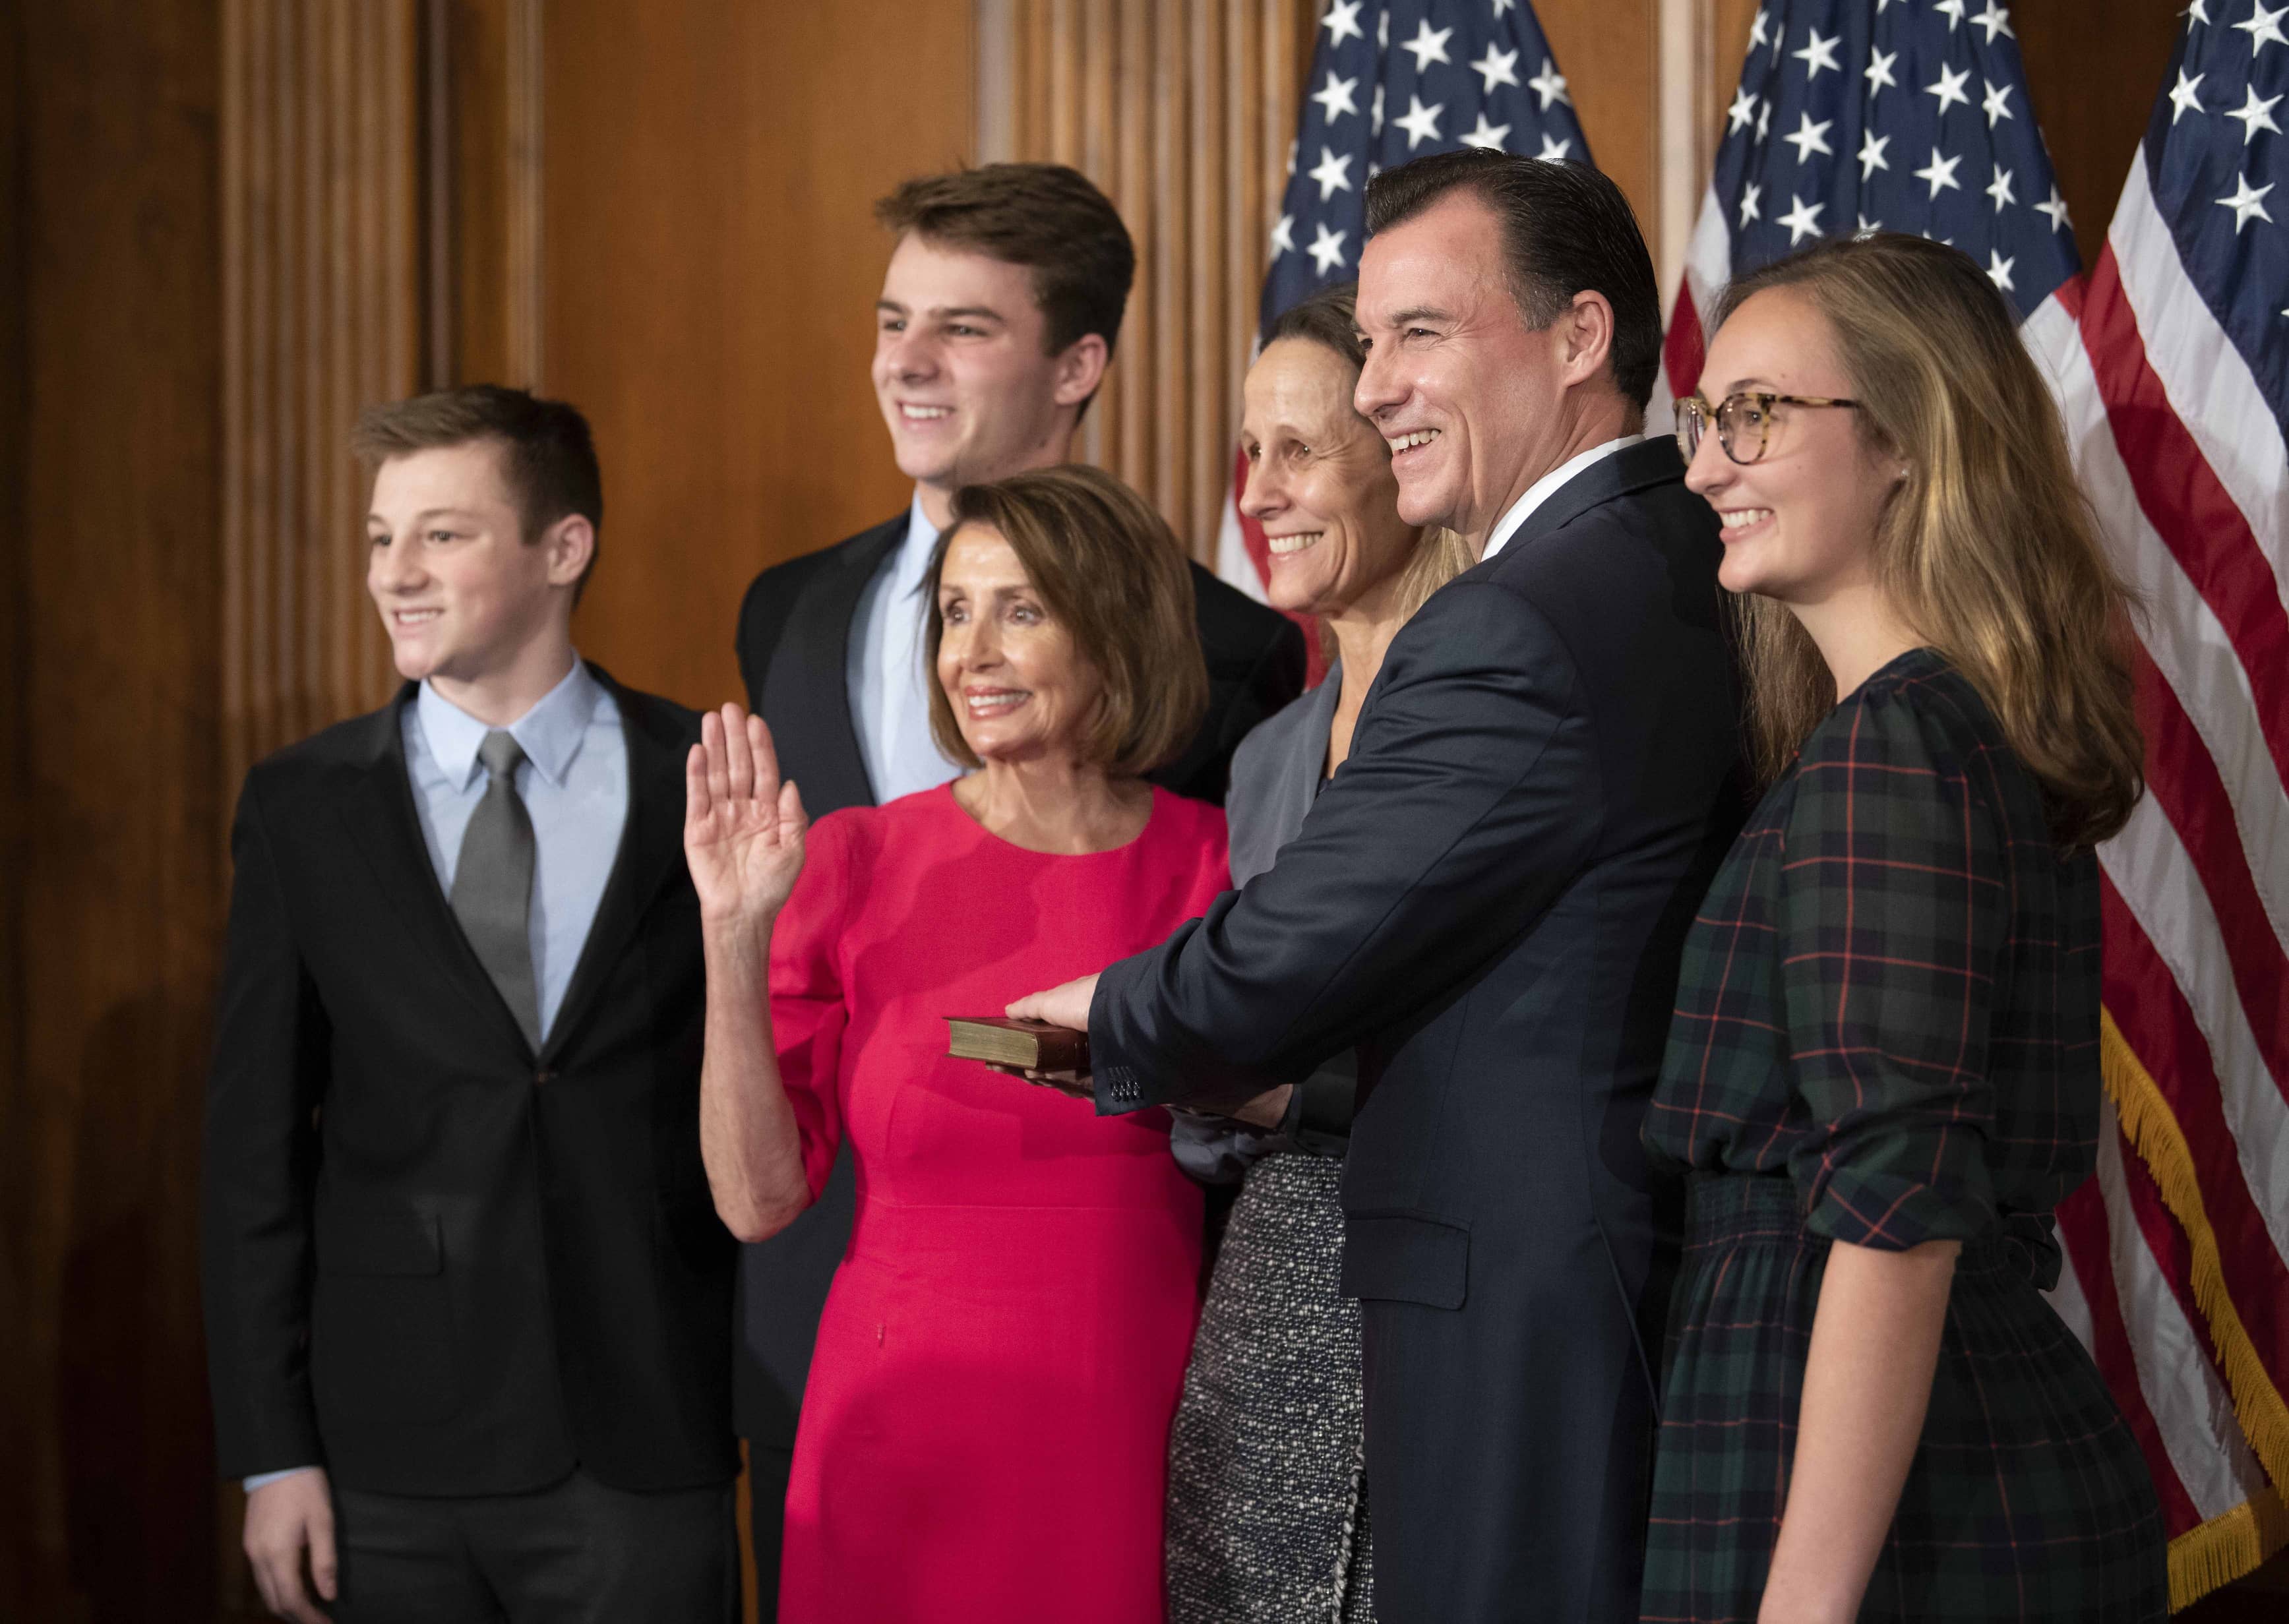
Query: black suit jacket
436, 1262
794, 646
1488, 900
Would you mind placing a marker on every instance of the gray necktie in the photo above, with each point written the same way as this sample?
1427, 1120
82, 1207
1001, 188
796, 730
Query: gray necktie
492, 883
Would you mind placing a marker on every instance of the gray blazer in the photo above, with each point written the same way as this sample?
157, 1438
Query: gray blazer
1276, 774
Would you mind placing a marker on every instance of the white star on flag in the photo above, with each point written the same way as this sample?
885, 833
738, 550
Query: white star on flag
2183, 99
2200, 10
1550, 84
1998, 270
1802, 220
1878, 73
1999, 189
1497, 67
1749, 202
1428, 45
1333, 172
2055, 207
1757, 34
1421, 122
2264, 28
1554, 149
1810, 137
1872, 153
1336, 97
1342, 21
1283, 236
1953, 10
1950, 89
2255, 115
1940, 171
1742, 113
1375, 125
1818, 53
1484, 134
2244, 203
1995, 20
1997, 103
1327, 249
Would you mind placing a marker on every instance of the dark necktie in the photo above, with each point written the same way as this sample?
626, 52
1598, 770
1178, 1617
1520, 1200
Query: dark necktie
492, 884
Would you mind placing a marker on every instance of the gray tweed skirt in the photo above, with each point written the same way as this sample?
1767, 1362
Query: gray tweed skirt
1267, 1490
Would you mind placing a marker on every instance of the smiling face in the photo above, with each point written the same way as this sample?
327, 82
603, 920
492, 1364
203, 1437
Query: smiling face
464, 597
1800, 521
1020, 687
961, 370
1318, 481
1470, 398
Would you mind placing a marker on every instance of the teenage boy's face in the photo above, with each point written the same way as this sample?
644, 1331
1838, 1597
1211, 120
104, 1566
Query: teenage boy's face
962, 370
460, 592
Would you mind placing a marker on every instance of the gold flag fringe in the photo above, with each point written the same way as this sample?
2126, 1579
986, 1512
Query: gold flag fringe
2226, 1547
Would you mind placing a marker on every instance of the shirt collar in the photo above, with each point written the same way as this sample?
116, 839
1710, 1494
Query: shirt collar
911, 562
550, 734
1547, 486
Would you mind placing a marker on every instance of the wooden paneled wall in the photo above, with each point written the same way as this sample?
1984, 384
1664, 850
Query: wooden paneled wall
110, 459
321, 314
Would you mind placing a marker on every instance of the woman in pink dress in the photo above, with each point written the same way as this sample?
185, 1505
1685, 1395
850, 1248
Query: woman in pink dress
986, 1429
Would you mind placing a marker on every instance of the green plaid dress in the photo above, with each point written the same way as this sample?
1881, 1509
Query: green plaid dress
1887, 1033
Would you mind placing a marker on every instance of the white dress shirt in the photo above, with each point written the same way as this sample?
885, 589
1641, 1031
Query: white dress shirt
1546, 487
890, 699
574, 780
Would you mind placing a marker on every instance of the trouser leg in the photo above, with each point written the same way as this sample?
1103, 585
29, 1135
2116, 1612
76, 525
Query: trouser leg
404, 1560
584, 1552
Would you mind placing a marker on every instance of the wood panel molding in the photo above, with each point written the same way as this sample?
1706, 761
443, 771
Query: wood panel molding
321, 316
1182, 110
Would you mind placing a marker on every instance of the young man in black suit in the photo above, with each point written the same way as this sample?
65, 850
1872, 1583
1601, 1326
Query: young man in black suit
996, 322
466, 1296
1489, 902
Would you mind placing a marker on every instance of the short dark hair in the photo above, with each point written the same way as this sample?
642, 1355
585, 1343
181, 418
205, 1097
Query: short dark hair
1567, 227
1045, 217
1111, 572
548, 457
1328, 318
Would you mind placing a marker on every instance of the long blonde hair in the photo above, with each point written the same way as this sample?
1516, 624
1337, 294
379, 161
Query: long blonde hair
1987, 550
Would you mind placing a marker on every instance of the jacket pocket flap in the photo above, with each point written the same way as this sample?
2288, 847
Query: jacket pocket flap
1401, 1257
379, 1243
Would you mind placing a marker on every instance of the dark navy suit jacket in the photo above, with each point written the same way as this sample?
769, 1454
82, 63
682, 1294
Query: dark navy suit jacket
1489, 900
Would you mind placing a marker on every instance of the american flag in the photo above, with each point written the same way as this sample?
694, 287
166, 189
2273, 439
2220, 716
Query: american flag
2171, 365
1392, 80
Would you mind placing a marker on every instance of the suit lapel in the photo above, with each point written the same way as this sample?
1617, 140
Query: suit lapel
651, 848
821, 742
386, 830
1634, 467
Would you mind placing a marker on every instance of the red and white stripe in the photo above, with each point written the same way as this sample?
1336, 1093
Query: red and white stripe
2184, 462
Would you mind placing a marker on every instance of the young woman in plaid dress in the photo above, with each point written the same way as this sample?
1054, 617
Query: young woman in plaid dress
1883, 1070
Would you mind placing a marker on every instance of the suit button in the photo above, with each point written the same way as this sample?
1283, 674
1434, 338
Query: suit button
543, 1075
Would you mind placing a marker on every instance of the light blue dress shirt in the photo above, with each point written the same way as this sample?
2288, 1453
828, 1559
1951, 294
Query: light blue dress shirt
890, 699
575, 784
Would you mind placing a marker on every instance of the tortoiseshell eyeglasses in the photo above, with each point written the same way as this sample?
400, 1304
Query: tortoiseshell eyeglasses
1744, 421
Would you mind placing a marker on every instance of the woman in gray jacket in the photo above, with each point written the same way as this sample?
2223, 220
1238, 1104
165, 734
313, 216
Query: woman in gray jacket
1267, 1514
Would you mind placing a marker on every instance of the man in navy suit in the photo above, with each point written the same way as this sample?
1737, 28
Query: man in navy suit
468, 1300
1489, 900
997, 319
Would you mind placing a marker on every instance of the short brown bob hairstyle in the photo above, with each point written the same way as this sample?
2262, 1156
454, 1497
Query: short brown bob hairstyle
1110, 571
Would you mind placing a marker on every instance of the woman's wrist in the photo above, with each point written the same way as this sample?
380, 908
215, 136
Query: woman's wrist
731, 937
